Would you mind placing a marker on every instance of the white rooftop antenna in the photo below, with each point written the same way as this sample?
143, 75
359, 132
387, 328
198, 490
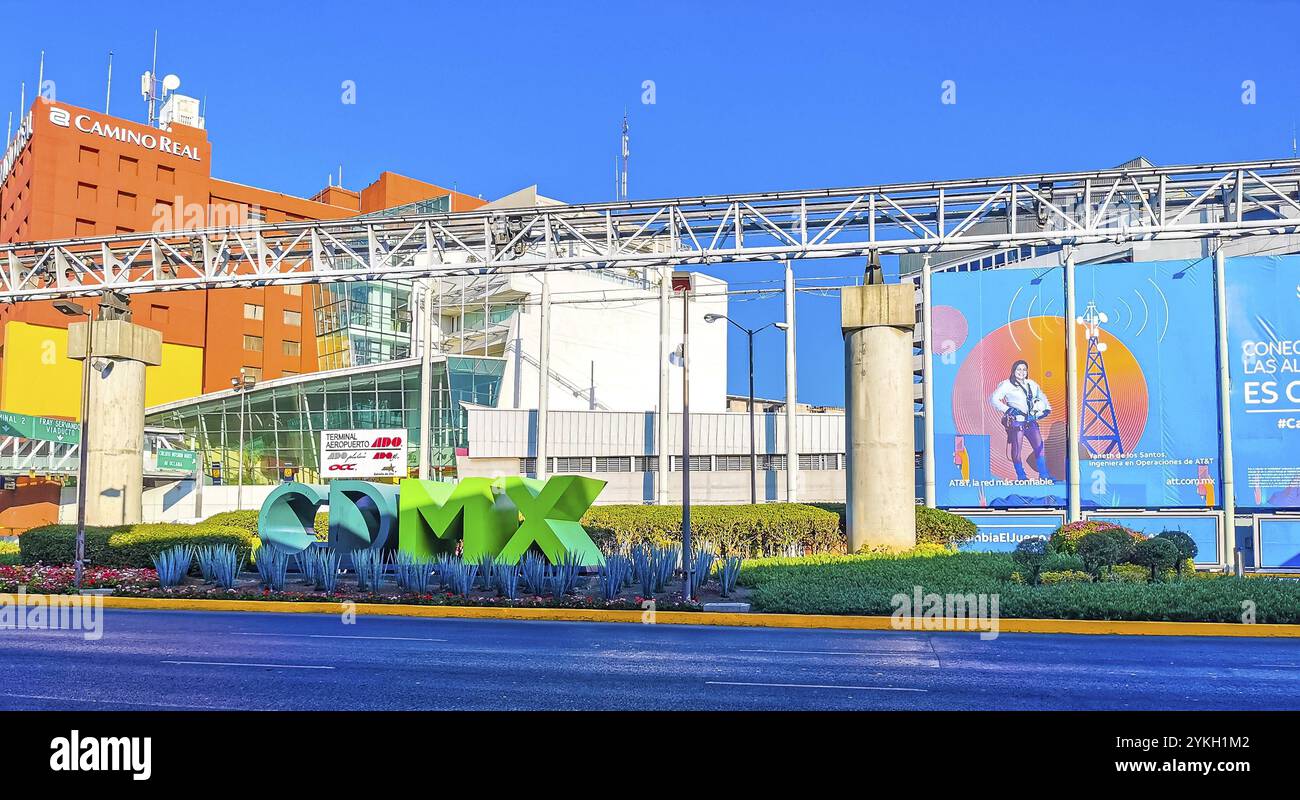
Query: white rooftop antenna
623, 180
40, 77
108, 92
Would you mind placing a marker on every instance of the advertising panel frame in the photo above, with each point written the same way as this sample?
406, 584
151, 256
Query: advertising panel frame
1258, 523
992, 516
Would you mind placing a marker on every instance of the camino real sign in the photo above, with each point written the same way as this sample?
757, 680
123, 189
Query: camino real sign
363, 453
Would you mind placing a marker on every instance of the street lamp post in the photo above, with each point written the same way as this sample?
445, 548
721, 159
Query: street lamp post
749, 334
241, 384
684, 282
83, 448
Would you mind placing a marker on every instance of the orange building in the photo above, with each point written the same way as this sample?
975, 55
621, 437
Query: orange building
74, 172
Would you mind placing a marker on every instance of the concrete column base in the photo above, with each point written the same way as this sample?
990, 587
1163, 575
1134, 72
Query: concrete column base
877, 323
119, 352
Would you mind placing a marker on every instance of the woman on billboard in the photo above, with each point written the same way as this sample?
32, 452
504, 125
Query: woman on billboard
1022, 403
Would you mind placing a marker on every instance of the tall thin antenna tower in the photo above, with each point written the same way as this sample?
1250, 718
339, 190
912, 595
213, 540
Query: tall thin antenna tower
622, 182
108, 92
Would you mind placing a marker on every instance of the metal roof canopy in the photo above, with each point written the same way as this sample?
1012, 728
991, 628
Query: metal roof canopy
1069, 208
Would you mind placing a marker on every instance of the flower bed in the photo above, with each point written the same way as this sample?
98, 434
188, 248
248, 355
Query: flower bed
58, 579
477, 599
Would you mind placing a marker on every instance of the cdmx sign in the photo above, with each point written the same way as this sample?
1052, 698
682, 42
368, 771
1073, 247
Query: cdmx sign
501, 517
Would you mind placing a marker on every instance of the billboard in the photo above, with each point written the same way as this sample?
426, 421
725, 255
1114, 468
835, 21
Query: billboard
1263, 302
1277, 542
999, 388
363, 453
1148, 385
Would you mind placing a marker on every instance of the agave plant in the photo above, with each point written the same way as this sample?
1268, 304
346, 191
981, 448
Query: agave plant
223, 564
668, 560
369, 566
535, 572
462, 577
306, 564
612, 574
203, 555
645, 561
414, 572
327, 568
272, 566
507, 579
446, 570
564, 578
703, 566
173, 564
728, 573
485, 564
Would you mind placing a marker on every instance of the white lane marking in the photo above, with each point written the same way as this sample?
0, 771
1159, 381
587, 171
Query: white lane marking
243, 664
816, 686
830, 653
343, 636
111, 702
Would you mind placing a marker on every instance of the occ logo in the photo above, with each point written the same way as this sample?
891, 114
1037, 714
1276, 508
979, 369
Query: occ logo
60, 117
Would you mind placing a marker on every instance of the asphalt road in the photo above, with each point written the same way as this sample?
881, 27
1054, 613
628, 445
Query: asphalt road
206, 660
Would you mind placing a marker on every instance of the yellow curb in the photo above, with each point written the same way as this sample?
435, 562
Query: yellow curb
750, 620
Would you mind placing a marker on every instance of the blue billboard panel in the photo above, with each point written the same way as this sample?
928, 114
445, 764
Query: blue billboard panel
1000, 533
1263, 299
1203, 528
1148, 385
998, 371
1279, 543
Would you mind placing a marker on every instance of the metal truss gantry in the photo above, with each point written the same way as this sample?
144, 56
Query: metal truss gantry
1073, 208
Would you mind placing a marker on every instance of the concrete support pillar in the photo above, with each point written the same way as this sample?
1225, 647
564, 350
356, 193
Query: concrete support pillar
877, 323
119, 352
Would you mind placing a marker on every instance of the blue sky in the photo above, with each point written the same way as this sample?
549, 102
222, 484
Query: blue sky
750, 96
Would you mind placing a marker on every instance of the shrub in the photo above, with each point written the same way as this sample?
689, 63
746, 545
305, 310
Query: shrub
1068, 576
1067, 537
1156, 555
1127, 573
942, 527
1187, 548
744, 530
247, 520
9, 554
1100, 551
126, 545
1031, 554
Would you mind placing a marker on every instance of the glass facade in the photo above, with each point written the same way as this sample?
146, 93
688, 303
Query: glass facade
367, 322
282, 420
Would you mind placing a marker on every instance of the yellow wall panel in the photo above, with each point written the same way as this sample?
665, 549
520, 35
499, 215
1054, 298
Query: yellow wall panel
40, 379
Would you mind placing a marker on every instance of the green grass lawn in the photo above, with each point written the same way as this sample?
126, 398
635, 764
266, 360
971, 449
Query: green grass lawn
865, 584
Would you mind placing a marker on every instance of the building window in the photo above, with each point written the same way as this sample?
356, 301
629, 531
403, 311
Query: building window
290, 348
88, 156
253, 343
256, 214
159, 313
252, 372
85, 227
645, 463
252, 311
294, 290
126, 201
819, 461
293, 318
729, 463
87, 193
166, 175
614, 464
698, 464
128, 166
771, 461
572, 464
528, 466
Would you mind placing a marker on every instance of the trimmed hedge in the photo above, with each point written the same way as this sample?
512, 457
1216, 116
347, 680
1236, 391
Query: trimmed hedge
126, 545
247, 520
933, 525
866, 584
741, 530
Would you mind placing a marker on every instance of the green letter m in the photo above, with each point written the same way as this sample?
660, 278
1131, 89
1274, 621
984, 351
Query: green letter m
432, 515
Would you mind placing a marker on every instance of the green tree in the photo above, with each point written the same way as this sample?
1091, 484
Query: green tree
1156, 555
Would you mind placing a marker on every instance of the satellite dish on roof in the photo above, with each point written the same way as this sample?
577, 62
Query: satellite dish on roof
171, 83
